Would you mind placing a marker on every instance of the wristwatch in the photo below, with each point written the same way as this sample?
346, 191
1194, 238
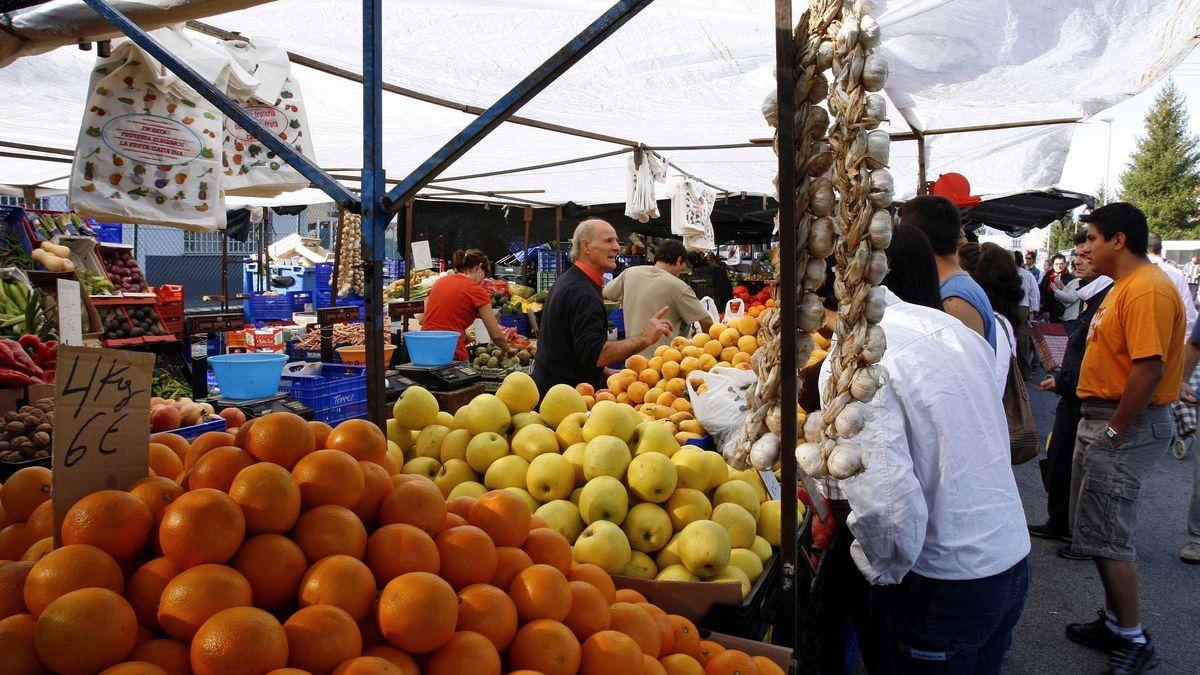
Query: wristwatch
1111, 434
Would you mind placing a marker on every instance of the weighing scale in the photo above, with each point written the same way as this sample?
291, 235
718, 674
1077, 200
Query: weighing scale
450, 377
258, 407
395, 385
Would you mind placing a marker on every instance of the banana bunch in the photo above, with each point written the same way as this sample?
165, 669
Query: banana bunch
21, 311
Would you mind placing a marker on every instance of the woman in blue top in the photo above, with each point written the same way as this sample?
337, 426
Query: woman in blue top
962, 297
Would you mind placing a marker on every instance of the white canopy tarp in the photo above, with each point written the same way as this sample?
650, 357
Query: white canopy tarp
682, 72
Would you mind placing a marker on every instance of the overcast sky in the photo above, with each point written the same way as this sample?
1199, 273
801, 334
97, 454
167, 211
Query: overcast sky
1084, 171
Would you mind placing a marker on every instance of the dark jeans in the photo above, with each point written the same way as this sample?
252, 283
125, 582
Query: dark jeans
846, 603
1058, 460
955, 626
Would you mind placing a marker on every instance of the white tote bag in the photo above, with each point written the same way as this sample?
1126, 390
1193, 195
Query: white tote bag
722, 408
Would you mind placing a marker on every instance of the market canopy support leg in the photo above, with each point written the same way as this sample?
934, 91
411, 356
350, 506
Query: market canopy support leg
374, 217
307, 167
508, 104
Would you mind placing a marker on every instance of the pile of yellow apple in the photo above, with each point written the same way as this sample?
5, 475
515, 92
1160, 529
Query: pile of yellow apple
613, 480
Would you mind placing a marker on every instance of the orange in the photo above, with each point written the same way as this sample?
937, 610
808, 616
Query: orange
767, 666
157, 493
320, 638
16, 644
321, 432
418, 612
164, 461
178, 444
610, 651
38, 549
464, 652
269, 497
341, 581
329, 477
731, 662
397, 658
595, 576
145, 589
651, 666
242, 435
487, 610
452, 520
460, 505
628, 595
280, 437
360, 439
134, 668
24, 491
708, 649
637, 623
204, 443
367, 665
416, 502
398, 549
589, 610
389, 465
195, 594
274, 566
85, 631
143, 635
548, 647
115, 521
467, 556
41, 521
67, 569
377, 483
170, 655
503, 515
201, 526
239, 640
330, 530
666, 632
509, 561
549, 547
681, 664
12, 585
686, 639
541, 592
217, 468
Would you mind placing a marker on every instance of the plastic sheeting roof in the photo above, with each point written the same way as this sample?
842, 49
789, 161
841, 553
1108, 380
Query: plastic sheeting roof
682, 72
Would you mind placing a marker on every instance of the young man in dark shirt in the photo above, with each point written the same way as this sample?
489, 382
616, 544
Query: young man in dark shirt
573, 347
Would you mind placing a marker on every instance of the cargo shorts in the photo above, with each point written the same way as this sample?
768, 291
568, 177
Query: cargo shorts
1108, 475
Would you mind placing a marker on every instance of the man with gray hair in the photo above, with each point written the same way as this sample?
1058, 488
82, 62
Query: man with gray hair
573, 347
1154, 247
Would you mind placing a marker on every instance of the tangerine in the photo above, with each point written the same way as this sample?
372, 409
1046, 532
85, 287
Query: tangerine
24, 491
398, 549
467, 556
268, 496
134, 668
367, 665
85, 631
416, 502
341, 581
280, 437
549, 547
68, 569
397, 658
164, 461
637, 623
157, 493
731, 662
666, 632
589, 610
541, 592
503, 515
41, 521
610, 651
360, 439
201, 526
596, 576
377, 483
320, 638
487, 610
418, 612
145, 589
178, 444
204, 443
113, 520
509, 561
767, 666
628, 595
686, 638
12, 586
547, 647
464, 652
460, 505
330, 530
708, 649
239, 640
329, 477
16, 644
274, 566
195, 594
321, 433
170, 655
217, 468
681, 664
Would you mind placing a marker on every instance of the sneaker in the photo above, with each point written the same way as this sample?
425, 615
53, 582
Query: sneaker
1068, 553
1047, 532
1190, 553
1095, 634
1131, 658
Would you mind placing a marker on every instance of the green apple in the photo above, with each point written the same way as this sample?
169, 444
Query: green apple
747, 561
704, 547
651, 477
669, 555
429, 441
648, 527
676, 572
570, 430
603, 544
453, 473
687, 506
534, 440
563, 517
740, 493
485, 449
574, 455
468, 489
605, 456
736, 521
550, 477
603, 498
693, 468
640, 566
508, 471
422, 466
654, 436
762, 549
454, 445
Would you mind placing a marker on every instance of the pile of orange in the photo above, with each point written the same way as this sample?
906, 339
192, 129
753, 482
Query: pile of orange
290, 547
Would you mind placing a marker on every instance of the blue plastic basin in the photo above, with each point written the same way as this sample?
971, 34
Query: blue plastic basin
248, 376
431, 347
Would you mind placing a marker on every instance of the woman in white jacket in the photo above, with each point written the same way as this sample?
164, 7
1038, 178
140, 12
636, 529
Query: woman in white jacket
1068, 295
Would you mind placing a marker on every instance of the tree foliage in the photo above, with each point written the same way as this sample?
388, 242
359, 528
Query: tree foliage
1062, 234
1164, 174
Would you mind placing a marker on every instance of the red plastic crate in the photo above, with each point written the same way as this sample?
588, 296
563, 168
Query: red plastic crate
169, 293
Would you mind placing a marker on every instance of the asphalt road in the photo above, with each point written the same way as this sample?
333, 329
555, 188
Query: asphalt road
1063, 591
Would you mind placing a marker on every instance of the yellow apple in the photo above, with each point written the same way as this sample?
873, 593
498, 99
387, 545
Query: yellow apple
693, 467
731, 573
454, 445
415, 409
526, 497
654, 437
651, 477
603, 498
508, 471
718, 471
740, 493
605, 456
423, 466
747, 561
574, 498
468, 489
704, 547
570, 430
609, 418
445, 419
603, 544
522, 420
574, 455
560, 401
669, 554
762, 549
460, 417
429, 441
563, 517
736, 521
687, 506
675, 572
403, 438
751, 478
647, 527
518, 392
485, 449
486, 413
452, 474
550, 477
534, 440
640, 566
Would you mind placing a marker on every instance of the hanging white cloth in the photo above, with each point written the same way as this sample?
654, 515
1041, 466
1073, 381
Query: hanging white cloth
640, 203
691, 215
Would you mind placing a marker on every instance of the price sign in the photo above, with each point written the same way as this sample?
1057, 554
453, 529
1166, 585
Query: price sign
404, 309
101, 423
70, 313
331, 315
421, 258
215, 323
771, 483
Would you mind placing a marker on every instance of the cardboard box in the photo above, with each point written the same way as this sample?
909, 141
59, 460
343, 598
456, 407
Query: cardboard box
781, 656
264, 339
47, 284
11, 400
689, 599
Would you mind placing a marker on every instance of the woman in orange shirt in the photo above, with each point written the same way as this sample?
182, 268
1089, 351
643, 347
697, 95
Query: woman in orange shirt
457, 299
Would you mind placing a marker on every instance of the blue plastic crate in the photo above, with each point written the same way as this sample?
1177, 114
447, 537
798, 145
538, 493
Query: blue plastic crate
260, 307
109, 233
298, 354
322, 276
549, 261
336, 387
518, 321
192, 432
322, 299
300, 300
393, 268
617, 319
335, 416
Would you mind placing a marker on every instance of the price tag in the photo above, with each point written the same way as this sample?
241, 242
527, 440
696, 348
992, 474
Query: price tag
101, 423
481, 334
215, 323
772, 484
330, 315
422, 259
403, 309
70, 313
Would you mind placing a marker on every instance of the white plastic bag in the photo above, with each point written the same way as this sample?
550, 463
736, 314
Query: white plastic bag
251, 169
722, 407
735, 308
691, 208
149, 148
710, 306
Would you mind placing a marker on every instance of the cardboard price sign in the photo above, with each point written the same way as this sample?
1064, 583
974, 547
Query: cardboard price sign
101, 423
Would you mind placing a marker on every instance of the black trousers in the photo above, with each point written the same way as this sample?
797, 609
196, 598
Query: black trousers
847, 601
1058, 460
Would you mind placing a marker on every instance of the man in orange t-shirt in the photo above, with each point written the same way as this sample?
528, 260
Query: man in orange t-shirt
1129, 376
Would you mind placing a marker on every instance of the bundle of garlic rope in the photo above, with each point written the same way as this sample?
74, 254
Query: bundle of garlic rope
864, 228
348, 277
814, 236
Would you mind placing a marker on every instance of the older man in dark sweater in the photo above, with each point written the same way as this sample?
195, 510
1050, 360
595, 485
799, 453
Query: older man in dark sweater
573, 347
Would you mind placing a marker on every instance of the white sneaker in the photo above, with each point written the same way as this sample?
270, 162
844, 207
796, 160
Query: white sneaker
1190, 553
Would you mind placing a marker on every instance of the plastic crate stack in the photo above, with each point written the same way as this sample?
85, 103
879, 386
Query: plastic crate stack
170, 308
301, 300
549, 265
322, 289
260, 307
393, 269
109, 233
629, 260
337, 394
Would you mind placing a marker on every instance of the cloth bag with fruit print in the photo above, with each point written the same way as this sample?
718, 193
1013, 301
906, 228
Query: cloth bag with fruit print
251, 169
149, 148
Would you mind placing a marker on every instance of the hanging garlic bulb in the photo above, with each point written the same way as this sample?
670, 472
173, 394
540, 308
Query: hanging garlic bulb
820, 239
879, 144
814, 272
845, 461
808, 456
770, 109
875, 72
868, 32
820, 161
810, 312
881, 189
876, 112
876, 305
865, 383
825, 56
765, 451
880, 229
877, 268
874, 345
822, 200
851, 420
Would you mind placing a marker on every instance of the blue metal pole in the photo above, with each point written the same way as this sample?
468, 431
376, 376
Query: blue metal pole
306, 166
526, 89
374, 217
